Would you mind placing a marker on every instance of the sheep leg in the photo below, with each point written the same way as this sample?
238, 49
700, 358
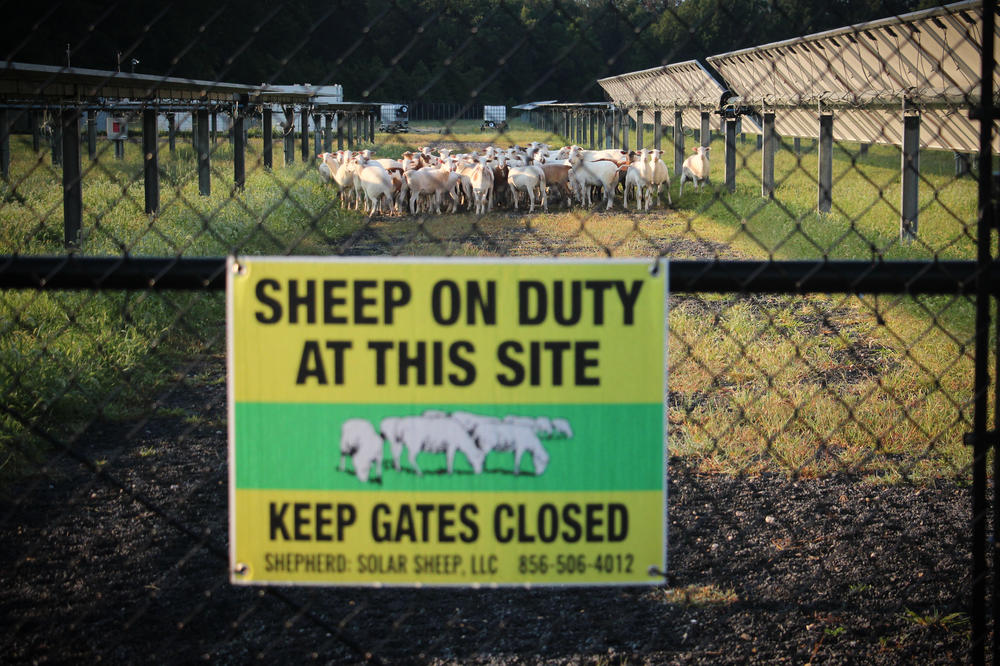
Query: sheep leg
517, 461
362, 470
397, 451
413, 461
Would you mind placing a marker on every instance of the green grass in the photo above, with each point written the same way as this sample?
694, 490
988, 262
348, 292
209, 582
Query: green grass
864, 222
873, 386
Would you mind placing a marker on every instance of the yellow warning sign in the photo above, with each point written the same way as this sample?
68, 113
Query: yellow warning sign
466, 422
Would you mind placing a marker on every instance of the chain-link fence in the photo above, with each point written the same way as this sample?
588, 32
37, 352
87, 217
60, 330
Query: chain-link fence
826, 203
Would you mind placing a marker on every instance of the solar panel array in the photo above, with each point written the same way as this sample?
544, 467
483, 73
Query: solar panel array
926, 61
685, 86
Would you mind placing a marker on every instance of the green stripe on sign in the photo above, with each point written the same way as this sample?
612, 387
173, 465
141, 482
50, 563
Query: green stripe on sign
297, 447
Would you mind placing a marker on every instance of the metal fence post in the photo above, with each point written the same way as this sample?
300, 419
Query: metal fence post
317, 134
706, 130
239, 146
171, 132
658, 130
767, 157
327, 132
304, 120
289, 135
215, 126
678, 141
150, 161
340, 131
986, 223
910, 189
638, 129
963, 165
371, 127
350, 132
592, 118
267, 132
4, 144
92, 135
69, 124
36, 131
825, 176
204, 155
56, 141
730, 155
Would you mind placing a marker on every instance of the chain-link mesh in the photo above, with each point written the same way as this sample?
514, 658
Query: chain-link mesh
821, 479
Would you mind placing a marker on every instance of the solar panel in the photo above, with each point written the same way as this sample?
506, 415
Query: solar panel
685, 86
927, 60
75, 85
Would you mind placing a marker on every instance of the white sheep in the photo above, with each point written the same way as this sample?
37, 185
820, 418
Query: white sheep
327, 167
482, 186
344, 177
695, 169
376, 183
511, 437
545, 426
661, 176
639, 176
359, 440
528, 178
562, 427
541, 425
601, 173
433, 181
390, 429
437, 435
470, 420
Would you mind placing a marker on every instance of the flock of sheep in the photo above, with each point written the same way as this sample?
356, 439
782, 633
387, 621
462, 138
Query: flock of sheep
474, 435
499, 178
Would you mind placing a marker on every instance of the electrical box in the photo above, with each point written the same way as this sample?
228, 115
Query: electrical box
117, 128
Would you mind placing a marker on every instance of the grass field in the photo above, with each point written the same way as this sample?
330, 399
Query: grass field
875, 386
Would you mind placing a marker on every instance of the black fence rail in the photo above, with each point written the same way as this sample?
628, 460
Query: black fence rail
831, 406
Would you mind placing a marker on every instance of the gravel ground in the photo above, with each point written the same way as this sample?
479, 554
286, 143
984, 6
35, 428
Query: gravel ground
129, 565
